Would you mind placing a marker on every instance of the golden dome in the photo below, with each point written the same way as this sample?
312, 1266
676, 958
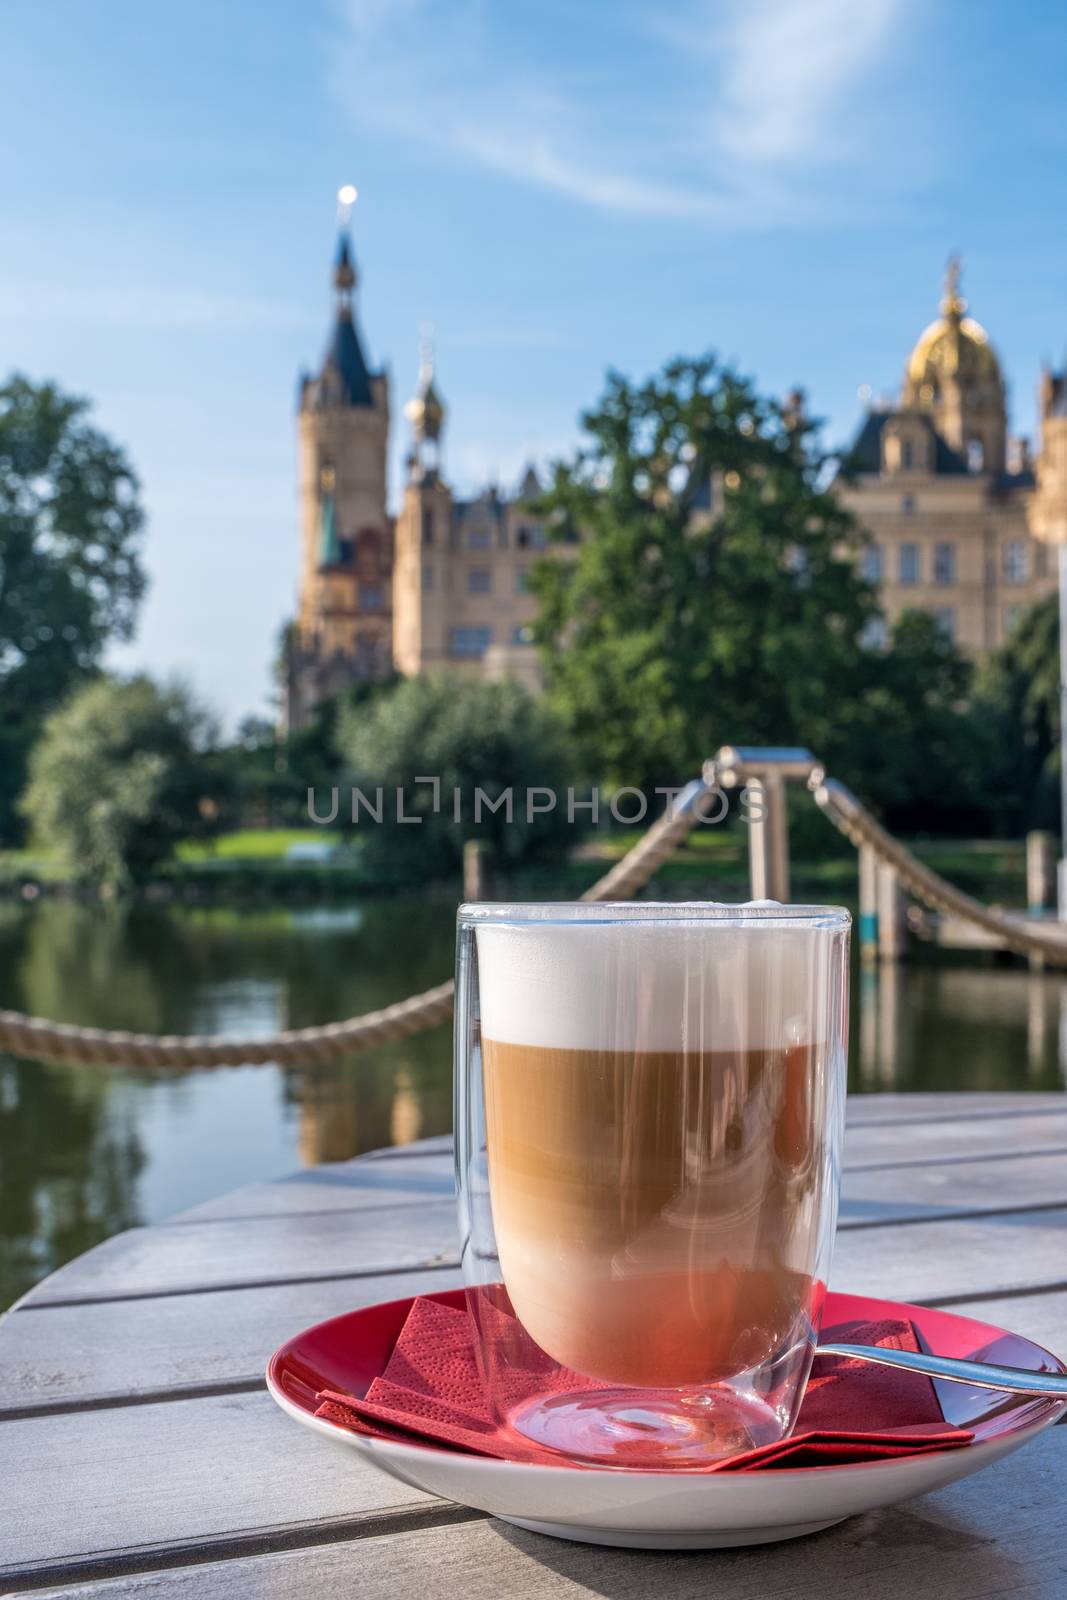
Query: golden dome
953, 346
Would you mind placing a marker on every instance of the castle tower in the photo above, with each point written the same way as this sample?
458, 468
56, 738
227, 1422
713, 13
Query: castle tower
424, 536
954, 377
1050, 504
343, 632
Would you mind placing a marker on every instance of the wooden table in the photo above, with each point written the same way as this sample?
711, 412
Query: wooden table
140, 1454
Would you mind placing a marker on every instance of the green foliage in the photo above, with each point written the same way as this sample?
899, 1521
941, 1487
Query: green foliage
1018, 705
470, 734
908, 741
671, 629
671, 633
269, 773
70, 574
121, 773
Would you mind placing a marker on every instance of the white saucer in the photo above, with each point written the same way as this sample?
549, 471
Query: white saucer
676, 1510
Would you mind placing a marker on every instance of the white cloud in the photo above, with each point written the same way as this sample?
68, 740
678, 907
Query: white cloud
786, 64
713, 115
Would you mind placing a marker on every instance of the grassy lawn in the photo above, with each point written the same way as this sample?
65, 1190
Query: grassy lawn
256, 844
712, 863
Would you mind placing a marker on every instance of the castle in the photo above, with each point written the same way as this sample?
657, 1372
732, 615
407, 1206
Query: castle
441, 585
959, 518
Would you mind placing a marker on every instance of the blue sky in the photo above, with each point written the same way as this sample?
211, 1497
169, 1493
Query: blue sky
556, 187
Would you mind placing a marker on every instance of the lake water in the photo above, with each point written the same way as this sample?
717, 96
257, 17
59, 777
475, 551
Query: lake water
85, 1152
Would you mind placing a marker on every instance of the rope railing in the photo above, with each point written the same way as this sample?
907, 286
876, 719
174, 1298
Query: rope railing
62, 1042
1019, 935
41, 1040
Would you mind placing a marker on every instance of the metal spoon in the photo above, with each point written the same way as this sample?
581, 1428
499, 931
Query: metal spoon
981, 1374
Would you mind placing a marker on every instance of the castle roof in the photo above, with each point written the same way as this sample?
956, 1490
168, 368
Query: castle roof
346, 364
866, 452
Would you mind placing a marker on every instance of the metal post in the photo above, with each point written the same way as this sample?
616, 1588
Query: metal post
868, 903
1062, 872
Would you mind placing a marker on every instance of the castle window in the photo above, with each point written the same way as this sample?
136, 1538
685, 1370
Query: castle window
371, 597
907, 453
522, 634
470, 642
907, 504
346, 549
909, 563
944, 563
427, 577
479, 539
872, 563
531, 538
975, 455
427, 525
945, 617
1015, 563
522, 581
479, 581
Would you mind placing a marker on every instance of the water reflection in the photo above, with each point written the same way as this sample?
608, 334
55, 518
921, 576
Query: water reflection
949, 1026
85, 1152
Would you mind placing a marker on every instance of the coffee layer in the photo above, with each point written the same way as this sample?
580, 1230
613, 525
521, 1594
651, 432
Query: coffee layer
659, 1215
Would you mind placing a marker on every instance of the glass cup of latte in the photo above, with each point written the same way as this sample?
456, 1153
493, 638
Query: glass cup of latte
649, 1112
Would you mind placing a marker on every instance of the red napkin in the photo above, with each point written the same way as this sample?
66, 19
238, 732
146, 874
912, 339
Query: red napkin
431, 1393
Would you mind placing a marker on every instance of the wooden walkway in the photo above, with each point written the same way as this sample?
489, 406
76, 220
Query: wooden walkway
140, 1454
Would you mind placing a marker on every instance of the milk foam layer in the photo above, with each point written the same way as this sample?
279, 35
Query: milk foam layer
639, 985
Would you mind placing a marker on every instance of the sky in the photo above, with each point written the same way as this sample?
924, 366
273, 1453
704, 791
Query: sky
556, 187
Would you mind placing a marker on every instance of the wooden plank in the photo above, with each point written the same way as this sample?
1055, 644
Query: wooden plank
1041, 1317
362, 1184
97, 1485
77, 1355
999, 1534
255, 1250
866, 1110
900, 1192
971, 1139
940, 1262
117, 1351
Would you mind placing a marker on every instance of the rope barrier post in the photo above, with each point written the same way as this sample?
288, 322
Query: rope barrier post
476, 854
759, 867
890, 913
1040, 870
868, 924
778, 837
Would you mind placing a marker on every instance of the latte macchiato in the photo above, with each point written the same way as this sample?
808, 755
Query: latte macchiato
658, 1149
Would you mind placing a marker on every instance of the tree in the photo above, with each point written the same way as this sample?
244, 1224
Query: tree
469, 734
675, 628
1018, 705
909, 741
122, 772
70, 573
712, 595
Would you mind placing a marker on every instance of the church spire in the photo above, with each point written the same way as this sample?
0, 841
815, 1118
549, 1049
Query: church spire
345, 379
953, 305
344, 271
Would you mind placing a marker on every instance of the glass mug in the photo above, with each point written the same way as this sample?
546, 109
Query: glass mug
649, 1115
